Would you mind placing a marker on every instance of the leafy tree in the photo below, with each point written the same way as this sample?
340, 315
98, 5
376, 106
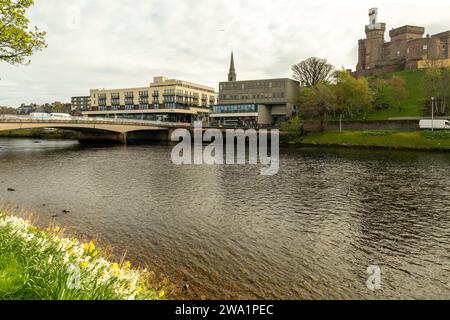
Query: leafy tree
380, 92
294, 127
318, 101
397, 91
17, 40
437, 84
312, 71
353, 95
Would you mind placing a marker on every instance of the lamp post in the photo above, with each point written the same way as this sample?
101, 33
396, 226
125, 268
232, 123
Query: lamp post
432, 113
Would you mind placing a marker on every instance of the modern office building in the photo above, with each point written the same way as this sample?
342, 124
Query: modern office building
165, 100
81, 103
250, 103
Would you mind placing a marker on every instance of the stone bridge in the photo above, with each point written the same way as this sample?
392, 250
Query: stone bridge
92, 130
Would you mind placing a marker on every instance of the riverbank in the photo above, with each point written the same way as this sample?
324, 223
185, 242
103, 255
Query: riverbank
53, 134
398, 140
46, 265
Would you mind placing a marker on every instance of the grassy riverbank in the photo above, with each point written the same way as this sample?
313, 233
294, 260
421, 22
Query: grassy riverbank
415, 140
39, 134
46, 265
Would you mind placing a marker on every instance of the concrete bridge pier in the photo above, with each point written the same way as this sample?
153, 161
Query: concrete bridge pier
102, 138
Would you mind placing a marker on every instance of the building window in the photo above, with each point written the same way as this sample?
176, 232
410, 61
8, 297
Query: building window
425, 47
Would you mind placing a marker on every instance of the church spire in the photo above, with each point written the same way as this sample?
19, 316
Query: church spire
232, 74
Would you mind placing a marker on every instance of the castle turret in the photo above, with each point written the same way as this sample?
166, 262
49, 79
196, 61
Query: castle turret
374, 41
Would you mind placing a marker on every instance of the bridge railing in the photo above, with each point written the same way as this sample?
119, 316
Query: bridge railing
84, 120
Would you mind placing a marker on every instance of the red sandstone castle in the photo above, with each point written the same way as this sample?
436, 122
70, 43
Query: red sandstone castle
408, 49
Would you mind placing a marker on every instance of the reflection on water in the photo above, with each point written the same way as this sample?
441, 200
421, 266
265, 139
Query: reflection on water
309, 232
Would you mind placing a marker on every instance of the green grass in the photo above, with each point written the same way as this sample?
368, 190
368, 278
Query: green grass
412, 105
44, 265
425, 140
12, 277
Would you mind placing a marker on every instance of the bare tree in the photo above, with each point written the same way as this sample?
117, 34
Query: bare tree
312, 71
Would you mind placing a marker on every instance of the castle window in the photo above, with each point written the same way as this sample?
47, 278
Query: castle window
425, 47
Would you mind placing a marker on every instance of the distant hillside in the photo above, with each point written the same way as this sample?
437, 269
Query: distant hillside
412, 105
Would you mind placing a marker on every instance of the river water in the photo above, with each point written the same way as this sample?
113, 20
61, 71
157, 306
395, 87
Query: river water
310, 232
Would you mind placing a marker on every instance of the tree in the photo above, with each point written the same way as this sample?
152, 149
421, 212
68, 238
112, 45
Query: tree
17, 40
317, 101
353, 95
397, 91
380, 93
312, 71
437, 84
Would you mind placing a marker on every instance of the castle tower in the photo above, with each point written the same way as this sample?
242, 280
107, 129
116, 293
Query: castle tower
232, 73
371, 49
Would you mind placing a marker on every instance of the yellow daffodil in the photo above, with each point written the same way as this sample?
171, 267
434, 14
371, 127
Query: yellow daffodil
56, 229
115, 268
91, 247
95, 253
127, 265
47, 230
70, 245
84, 264
161, 294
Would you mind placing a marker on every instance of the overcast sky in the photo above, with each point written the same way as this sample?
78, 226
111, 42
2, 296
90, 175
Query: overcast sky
124, 43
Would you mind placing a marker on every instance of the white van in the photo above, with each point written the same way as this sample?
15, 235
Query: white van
435, 124
60, 116
39, 116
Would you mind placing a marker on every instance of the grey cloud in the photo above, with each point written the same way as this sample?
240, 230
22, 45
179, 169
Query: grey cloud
125, 43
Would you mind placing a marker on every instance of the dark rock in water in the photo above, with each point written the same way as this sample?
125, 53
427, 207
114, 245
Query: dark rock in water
65, 211
55, 216
36, 142
11, 189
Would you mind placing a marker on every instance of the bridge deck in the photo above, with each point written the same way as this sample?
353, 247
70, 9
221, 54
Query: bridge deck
112, 125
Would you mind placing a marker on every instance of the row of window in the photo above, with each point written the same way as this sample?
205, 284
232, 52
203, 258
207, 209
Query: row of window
182, 85
275, 95
252, 84
235, 108
143, 107
168, 92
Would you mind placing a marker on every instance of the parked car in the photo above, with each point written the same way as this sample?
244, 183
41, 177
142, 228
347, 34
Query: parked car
435, 124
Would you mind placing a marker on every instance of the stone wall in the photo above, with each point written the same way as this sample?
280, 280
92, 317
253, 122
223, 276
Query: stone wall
400, 125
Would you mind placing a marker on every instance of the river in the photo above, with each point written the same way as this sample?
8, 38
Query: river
310, 232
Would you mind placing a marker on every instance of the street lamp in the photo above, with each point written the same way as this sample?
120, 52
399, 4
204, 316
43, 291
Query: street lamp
432, 113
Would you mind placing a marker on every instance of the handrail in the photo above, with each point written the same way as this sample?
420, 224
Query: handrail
83, 120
